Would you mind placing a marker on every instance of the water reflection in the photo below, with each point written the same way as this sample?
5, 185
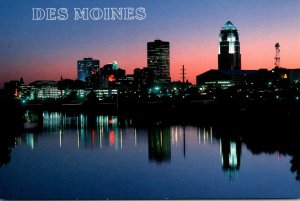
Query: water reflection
94, 132
32, 120
6, 145
11, 124
98, 132
230, 151
281, 139
296, 165
205, 135
159, 144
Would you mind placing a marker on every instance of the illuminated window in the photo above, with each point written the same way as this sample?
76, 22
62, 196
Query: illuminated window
231, 48
231, 39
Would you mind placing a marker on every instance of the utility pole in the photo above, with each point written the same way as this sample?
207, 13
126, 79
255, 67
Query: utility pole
183, 79
183, 74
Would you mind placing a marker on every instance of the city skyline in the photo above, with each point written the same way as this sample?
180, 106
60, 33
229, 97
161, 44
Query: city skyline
46, 50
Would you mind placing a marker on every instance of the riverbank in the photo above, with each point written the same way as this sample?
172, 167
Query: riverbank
206, 112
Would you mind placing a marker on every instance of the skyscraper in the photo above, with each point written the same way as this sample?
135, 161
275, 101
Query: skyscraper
158, 59
229, 57
86, 68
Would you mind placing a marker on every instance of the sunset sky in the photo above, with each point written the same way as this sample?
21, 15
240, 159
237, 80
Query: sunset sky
40, 50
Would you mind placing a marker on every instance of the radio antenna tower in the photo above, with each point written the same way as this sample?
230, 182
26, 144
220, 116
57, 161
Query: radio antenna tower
277, 55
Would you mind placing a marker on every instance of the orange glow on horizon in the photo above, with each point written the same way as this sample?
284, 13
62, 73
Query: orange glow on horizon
197, 57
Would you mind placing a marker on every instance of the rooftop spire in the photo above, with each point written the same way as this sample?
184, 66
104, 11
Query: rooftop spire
229, 26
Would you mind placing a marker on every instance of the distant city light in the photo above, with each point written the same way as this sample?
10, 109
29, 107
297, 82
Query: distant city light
157, 88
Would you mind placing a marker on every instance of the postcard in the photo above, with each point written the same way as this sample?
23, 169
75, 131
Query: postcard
149, 99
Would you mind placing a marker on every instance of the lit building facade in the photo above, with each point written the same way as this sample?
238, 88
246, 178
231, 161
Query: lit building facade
229, 57
110, 74
44, 89
213, 79
143, 77
158, 59
112, 69
86, 68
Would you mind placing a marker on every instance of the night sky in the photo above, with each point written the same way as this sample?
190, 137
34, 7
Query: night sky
48, 49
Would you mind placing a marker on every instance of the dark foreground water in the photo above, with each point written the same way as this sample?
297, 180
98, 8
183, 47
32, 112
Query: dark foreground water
77, 156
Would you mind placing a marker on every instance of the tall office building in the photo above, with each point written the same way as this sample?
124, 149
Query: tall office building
158, 59
86, 68
229, 57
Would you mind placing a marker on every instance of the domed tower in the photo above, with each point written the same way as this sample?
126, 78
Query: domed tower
229, 57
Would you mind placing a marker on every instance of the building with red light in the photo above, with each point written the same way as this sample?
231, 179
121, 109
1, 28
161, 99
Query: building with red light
86, 68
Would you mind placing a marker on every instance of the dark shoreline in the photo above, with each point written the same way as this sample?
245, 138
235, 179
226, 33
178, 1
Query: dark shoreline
213, 113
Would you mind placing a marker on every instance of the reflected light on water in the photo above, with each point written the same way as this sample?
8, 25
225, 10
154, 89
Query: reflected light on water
135, 137
116, 154
60, 137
